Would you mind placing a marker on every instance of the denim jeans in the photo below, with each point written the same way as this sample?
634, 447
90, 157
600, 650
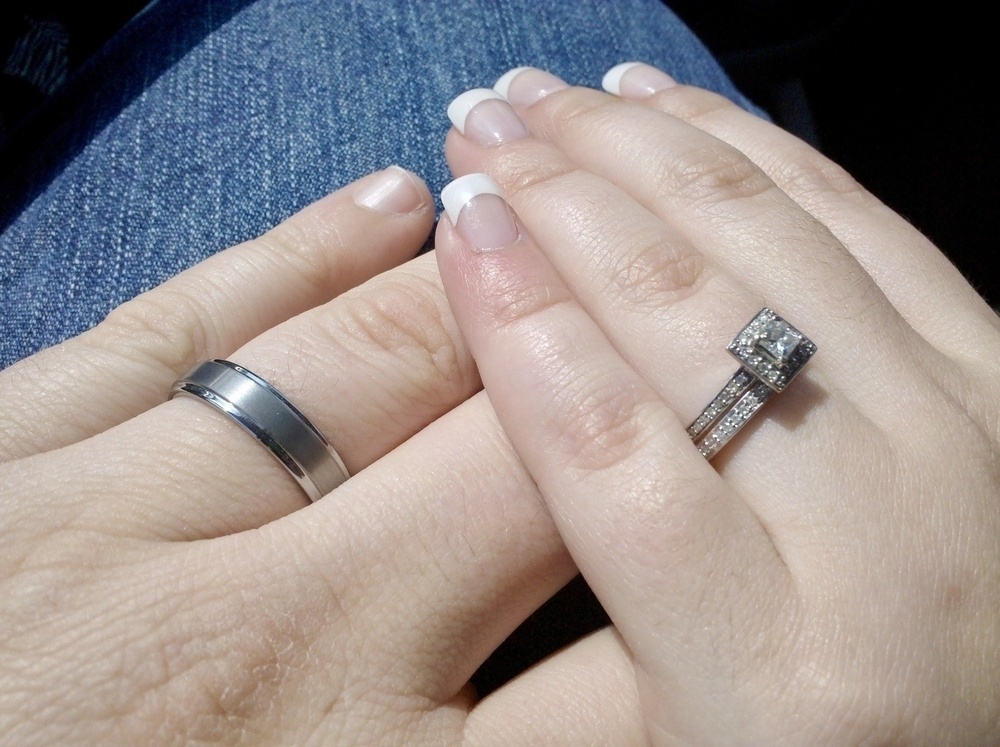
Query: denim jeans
204, 122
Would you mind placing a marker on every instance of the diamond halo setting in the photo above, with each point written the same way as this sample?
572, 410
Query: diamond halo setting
771, 352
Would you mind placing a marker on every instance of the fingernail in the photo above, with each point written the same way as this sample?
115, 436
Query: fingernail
635, 80
392, 191
485, 117
523, 86
479, 213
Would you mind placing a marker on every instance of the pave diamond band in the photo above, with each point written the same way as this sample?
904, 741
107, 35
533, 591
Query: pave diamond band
738, 385
725, 427
771, 352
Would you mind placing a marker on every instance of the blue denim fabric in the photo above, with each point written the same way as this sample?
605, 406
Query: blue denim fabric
204, 123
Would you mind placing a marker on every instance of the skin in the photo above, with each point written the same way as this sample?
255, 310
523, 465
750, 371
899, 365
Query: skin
164, 581
832, 576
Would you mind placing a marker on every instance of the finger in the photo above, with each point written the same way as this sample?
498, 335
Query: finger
583, 695
125, 365
624, 264
443, 545
670, 307
389, 597
930, 293
368, 369
659, 536
850, 407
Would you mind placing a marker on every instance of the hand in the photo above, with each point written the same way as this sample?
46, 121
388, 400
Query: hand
164, 580
832, 576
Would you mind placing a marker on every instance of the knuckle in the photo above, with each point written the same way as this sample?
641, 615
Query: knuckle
512, 301
799, 171
172, 326
531, 168
692, 104
162, 328
710, 173
311, 250
604, 425
198, 667
811, 177
42, 575
526, 177
577, 110
660, 271
404, 316
202, 680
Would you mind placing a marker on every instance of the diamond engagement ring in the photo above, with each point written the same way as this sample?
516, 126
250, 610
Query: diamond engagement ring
270, 418
771, 352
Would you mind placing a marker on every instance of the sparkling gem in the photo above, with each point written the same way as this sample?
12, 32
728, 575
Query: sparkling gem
778, 342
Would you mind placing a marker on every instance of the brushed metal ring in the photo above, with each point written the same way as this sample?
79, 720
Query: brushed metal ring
268, 416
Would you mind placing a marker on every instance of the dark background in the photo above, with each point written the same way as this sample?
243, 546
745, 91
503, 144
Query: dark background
904, 99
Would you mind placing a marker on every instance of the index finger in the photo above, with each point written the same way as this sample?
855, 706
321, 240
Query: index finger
679, 560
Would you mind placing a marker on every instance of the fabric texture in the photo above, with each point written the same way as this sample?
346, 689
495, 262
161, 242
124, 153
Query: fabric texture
203, 123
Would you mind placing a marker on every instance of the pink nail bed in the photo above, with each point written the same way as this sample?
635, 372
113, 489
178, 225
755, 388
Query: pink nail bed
392, 192
485, 117
479, 213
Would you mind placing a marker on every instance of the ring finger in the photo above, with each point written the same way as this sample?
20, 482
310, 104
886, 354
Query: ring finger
369, 369
922, 284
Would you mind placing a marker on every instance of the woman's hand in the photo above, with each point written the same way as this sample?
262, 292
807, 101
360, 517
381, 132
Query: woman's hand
163, 580
833, 576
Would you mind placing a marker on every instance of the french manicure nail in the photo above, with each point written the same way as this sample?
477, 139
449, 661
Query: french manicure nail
636, 80
479, 213
392, 191
485, 117
523, 86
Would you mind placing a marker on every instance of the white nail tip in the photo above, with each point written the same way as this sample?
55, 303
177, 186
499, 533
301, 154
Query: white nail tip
456, 195
613, 78
460, 107
503, 82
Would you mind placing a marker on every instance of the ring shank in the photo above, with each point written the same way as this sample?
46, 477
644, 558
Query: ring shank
727, 424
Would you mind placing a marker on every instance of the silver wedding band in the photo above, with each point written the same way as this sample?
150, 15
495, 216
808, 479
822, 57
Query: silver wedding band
270, 418
771, 352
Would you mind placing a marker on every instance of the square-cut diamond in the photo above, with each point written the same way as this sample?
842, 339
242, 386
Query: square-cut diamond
778, 341
772, 349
